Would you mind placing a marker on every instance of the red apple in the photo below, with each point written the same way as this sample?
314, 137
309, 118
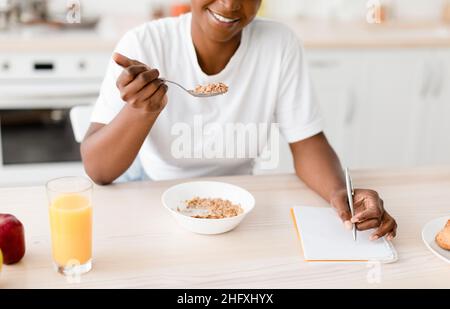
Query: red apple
12, 239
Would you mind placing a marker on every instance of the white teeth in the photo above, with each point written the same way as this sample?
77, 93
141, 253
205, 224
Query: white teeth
223, 19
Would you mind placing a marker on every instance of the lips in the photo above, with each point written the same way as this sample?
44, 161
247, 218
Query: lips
222, 19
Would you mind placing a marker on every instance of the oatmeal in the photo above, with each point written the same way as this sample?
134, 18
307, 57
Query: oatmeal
217, 88
216, 208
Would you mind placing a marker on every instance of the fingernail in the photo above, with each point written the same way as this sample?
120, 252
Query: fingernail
354, 220
374, 237
348, 225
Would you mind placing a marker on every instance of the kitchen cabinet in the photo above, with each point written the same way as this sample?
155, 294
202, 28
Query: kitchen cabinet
383, 107
338, 87
441, 154
394, 96
393, 106
422, 109
365, 105
433, 115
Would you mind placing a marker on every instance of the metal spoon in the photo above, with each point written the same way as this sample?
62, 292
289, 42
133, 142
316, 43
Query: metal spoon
192, 92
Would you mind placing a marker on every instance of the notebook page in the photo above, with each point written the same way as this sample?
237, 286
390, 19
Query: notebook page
324, 237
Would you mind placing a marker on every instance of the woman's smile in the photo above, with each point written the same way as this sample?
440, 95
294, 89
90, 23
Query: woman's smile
221, 19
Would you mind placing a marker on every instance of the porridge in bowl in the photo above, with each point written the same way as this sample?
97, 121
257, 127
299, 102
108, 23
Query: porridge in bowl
208, 207
213, 208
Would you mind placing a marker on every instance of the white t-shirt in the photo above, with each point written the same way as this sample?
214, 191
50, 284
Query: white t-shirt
268, 83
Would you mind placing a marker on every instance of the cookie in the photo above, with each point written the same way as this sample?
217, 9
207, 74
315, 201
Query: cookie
443, 237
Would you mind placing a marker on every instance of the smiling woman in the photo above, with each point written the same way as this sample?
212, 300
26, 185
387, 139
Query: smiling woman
217, 29
223, 20
263, 64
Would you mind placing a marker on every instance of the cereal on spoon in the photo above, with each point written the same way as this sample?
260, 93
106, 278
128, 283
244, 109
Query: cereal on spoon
214, 88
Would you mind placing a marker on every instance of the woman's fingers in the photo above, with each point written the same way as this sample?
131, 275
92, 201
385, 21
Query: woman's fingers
368, 205
339, 202
368, 224
158, 100
142, 80
149, 90
124, 61
150, 97
391, 235
129, 74
388, 227
367, 214
139, 85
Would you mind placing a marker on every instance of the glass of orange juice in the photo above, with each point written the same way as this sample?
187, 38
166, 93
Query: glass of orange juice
70, 211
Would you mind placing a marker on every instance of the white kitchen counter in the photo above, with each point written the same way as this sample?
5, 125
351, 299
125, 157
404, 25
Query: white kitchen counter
45, 39
347, 35
314, 33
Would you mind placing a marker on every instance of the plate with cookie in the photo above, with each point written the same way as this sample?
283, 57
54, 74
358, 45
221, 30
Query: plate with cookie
436, 236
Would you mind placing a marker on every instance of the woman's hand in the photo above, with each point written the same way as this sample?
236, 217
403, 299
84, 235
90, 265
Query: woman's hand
369, 213
140, 87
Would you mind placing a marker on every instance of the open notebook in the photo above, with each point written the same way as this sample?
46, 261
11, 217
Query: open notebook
324, 238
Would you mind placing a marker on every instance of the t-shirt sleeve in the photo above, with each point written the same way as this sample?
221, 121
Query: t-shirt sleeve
297, 112
109, 102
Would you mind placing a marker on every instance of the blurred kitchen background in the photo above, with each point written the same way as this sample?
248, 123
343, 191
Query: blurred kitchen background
380, 69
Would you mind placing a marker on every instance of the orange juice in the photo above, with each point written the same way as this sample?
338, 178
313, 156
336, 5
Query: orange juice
71, 229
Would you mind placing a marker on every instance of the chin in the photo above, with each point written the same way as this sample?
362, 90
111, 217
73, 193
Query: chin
221, 34
220, 37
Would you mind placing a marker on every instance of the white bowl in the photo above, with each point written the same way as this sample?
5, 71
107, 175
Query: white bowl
177, 196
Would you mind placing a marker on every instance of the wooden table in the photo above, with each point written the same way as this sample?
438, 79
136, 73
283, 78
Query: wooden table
137, 244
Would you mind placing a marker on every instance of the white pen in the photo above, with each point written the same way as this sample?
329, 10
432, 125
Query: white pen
350, 194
